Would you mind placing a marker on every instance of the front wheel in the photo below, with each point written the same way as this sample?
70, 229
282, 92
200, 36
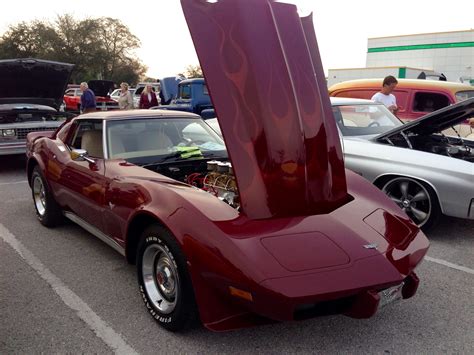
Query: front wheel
48, 211
416, 199
164, 281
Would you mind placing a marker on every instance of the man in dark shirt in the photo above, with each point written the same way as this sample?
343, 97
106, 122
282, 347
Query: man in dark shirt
88, 103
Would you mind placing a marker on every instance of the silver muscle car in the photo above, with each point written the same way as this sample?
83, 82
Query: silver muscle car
425, 169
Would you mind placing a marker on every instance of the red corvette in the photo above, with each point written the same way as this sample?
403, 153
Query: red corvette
282, 233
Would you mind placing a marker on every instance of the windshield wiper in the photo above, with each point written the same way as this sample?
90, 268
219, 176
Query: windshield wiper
214, 155
177, 156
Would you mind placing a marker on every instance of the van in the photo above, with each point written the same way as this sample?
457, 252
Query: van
415, 97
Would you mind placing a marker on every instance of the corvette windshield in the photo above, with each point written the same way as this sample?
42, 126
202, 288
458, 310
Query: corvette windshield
361, 120
161, 139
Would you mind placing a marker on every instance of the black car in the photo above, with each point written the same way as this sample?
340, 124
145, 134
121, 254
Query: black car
31, 95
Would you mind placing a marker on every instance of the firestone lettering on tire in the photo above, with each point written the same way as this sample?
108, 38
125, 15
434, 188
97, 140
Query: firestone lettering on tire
151, 310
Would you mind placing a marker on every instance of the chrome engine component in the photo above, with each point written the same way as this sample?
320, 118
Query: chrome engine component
220, 181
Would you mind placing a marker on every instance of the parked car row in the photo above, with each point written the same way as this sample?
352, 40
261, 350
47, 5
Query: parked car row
26, 103
189, 95
101, 89
415, 97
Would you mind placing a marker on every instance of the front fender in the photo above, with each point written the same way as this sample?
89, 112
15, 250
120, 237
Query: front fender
191, 215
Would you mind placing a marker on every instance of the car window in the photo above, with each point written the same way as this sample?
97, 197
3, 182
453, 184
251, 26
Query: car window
184, 91
214, 124
358, 120
138, 138
63, 132
357, 93
464, 95
429, 101
88, 135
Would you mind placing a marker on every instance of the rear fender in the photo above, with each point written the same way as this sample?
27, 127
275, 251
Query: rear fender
33, 161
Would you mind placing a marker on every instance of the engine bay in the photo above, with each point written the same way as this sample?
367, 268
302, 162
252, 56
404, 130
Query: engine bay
32, 116
454, 147
213, 176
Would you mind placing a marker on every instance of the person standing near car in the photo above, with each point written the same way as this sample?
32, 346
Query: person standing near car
385, 96
88, 103
125, 99
148, 98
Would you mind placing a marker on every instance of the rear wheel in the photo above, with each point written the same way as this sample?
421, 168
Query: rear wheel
47, 209
163, 279
416, 199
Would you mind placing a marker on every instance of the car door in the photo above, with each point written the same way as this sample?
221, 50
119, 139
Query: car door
71, 99
84, 180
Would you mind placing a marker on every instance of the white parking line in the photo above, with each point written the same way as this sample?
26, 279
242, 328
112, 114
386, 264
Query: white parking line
13, 182
451, 265
70, 299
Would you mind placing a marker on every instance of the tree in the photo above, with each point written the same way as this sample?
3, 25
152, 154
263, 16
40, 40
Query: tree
117, 42
194, 71
149, 79
28, 40
100, 48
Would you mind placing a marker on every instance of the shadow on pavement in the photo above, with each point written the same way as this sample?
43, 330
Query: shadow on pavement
12, 163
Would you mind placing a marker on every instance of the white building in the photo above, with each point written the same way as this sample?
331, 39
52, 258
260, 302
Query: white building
447, 53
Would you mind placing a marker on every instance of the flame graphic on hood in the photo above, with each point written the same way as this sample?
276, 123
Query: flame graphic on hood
266, 81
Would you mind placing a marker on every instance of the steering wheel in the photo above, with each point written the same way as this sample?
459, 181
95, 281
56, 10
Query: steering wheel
374, 124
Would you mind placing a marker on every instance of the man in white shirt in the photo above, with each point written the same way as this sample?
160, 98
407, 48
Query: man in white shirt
385, 96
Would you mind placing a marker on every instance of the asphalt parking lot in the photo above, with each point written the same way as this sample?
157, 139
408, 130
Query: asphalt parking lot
64, 291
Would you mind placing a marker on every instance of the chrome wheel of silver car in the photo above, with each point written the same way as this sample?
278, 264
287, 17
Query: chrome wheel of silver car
412, 197
39, 195
160, 277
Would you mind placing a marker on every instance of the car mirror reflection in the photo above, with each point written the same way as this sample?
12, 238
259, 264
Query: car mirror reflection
81, 154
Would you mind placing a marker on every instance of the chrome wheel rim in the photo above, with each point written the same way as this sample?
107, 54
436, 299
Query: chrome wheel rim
412, 197
160, 277
39, 196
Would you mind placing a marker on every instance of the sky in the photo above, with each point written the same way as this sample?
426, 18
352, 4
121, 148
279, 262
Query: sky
342, 27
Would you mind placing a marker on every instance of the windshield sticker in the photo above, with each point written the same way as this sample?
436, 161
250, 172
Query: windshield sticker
188, 152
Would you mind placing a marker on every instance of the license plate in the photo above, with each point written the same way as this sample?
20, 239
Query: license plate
390, 295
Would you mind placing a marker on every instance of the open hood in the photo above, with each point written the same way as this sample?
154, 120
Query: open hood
33, 81
264, 73
169, 88
101, 87
436, 121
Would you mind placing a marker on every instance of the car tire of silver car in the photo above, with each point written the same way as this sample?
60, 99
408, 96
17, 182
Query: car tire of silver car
416, 199
47, 209
164, 281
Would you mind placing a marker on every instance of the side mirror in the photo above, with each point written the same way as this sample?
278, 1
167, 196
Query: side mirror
81, 154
